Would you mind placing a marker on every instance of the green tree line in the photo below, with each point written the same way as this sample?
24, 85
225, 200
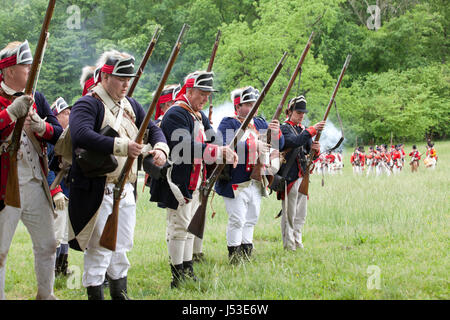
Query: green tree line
398, 80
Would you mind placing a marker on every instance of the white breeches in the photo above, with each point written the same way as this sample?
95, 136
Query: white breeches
294, 217
36, 214
180, 240
243, 213
382, 167
99, 260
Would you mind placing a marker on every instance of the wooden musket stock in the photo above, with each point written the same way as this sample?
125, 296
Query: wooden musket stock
60, 176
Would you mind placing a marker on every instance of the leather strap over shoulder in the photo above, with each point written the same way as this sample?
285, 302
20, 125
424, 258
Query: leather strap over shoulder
5, 95
197, 114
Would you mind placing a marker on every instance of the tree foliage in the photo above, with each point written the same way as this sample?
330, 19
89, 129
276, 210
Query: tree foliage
398, 78
410, 104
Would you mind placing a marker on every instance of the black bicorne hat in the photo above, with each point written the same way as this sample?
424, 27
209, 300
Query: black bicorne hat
201, 80
173, 90
24, 54
245, 95
120, 67
298, 104
204, 82
59, 105
20, 55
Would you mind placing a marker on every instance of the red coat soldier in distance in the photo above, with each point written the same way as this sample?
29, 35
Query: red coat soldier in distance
415, 157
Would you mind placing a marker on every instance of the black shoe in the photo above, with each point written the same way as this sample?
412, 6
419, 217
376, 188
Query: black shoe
95, 293
64, 265
198, 257
105, 283
234, 254
247, 250
118, 289
188, 270
58, 262
177, 275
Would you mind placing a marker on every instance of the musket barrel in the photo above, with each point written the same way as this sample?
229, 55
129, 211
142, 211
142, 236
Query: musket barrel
40, 63
40, 47
210, 65
147, 55
264, 91
304, 186
280, 106
293, 77
165, 75
213, 54
333, 96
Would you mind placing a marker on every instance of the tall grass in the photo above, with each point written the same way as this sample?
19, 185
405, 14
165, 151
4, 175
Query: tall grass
398, 224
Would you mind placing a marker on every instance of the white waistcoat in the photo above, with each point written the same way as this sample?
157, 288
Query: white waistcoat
127, 129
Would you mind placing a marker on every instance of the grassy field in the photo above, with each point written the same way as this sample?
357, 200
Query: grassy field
358, 230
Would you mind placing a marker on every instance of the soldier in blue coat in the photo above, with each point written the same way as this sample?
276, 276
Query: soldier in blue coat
60, 192
193, 144
91, 197
298, 143
241, 194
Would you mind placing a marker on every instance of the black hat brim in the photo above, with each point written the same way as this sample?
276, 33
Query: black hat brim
207, 89
301, 110
124, 75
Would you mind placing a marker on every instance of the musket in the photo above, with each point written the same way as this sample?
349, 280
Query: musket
147, 55
256, 173
304, 186
12, 197
210, 65
109, 235
40, 63
277, 114
29, 133
197, 224
342, 130
65, 168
